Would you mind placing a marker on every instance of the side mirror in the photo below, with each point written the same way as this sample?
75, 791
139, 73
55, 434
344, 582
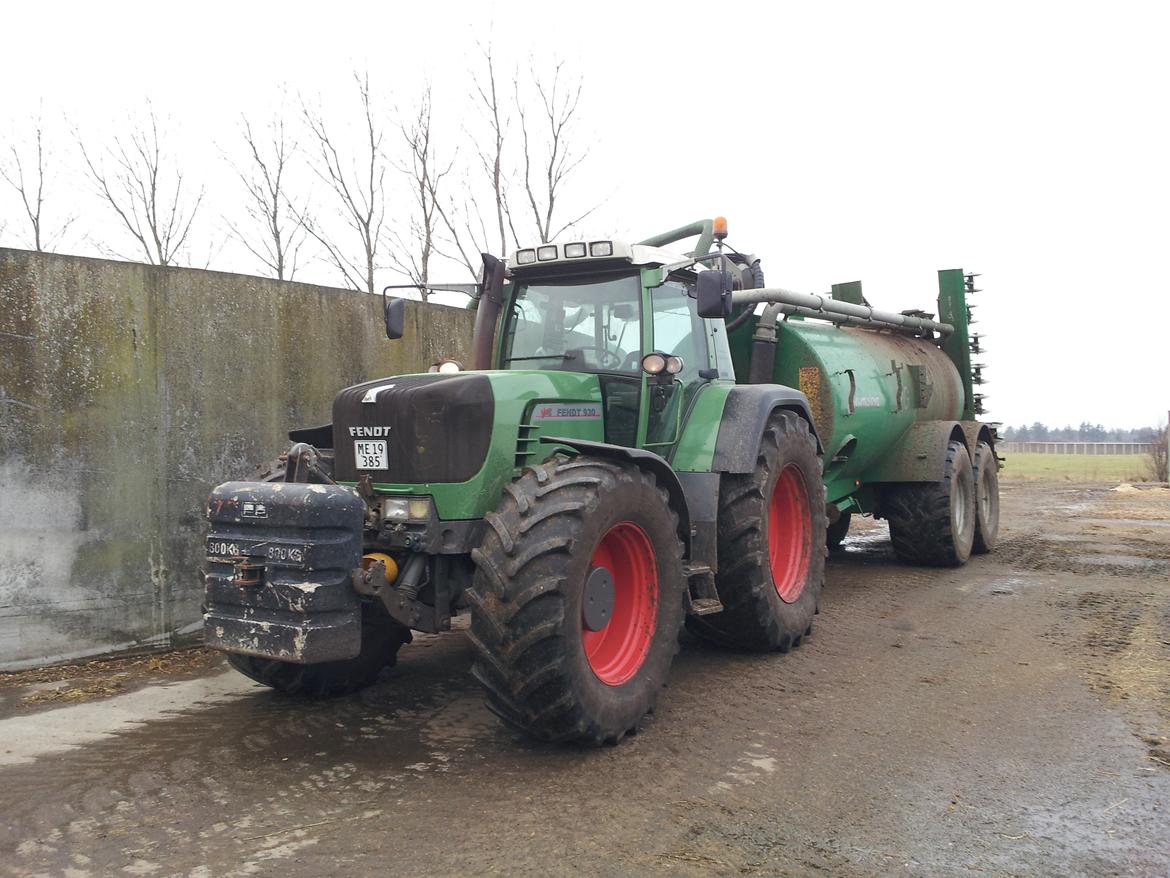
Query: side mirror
394, 313
713, 294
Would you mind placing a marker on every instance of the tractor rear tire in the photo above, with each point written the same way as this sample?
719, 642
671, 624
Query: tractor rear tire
837, 531
577, 600
381, 640
771, 544
986, 499
933, 523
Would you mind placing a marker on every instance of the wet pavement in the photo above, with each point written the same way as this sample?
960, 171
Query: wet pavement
1008, 718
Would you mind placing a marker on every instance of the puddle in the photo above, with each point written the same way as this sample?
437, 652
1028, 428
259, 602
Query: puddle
1106, 560
1130, 522
24, 738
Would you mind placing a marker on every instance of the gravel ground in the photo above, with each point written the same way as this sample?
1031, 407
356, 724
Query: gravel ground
1011, 717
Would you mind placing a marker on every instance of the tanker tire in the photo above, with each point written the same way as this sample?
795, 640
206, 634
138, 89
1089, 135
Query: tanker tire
986, 499
837, 531
381, 640
528, 592
754, 615
933, 523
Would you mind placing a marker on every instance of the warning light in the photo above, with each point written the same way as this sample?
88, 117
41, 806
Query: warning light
719, 228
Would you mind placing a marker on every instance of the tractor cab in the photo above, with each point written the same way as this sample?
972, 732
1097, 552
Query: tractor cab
624, 313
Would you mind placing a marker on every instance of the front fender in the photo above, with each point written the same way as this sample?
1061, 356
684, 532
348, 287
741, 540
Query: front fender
648, 461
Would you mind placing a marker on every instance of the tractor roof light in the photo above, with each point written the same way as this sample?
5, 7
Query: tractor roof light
526, 257
654, 364
574, 251
719, 228
547, 253
601, 248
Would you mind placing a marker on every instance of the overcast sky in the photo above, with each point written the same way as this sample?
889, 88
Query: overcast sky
1025, 141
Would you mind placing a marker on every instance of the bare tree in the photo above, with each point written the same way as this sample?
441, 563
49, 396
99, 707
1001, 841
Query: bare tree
146, 190
474, 220
426, 173
1158, 465
27, 175
548, 153
359, 189
281, 227
539, 158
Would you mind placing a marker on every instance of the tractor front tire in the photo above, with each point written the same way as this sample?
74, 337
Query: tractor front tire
771, 544
577, 600
381, 640
933, 523
986, 499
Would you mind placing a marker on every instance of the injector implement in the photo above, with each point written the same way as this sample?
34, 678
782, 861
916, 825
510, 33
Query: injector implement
645, 439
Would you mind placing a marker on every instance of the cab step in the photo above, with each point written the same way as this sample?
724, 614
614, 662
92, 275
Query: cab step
702, 598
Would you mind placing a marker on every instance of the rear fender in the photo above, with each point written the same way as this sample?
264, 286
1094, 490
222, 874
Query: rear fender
748, 408
920, 455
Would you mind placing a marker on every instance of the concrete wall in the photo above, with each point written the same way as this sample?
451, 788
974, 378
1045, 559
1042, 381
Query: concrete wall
127, 392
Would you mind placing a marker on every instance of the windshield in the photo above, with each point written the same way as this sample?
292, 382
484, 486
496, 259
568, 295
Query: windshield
580, 327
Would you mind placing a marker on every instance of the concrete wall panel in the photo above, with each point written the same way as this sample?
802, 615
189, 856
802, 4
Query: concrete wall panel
127, 392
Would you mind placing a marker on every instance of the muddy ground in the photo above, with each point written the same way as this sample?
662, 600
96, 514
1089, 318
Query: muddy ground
1008, 718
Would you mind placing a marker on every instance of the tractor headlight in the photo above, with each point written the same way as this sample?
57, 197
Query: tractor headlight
574, 251
674, 365
601, 248
546, 253
526, 257
402, 509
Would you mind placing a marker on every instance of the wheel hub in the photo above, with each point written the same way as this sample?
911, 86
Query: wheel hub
597, 606
619, 603
789, 550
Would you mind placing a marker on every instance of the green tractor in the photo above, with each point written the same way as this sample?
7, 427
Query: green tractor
644, 439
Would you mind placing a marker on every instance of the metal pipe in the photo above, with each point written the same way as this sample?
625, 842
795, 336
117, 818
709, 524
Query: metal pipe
764, 345
821, 307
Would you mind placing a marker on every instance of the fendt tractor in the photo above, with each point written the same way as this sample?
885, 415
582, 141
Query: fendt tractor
644, 439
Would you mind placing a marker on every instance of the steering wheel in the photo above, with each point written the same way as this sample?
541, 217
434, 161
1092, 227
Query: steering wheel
606, 358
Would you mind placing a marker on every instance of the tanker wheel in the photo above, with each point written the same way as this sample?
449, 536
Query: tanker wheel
381, 640
836, 531
934, 522
771, 544
577, 600
986, 499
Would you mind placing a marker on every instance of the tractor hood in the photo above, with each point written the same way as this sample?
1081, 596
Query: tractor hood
460, 437
436, 427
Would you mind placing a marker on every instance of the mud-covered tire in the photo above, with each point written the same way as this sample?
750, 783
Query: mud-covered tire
986, 476
933, 523
543, 671
770, 596
381, 640
837, 531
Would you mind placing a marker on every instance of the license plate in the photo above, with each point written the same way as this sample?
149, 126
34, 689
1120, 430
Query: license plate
371, 454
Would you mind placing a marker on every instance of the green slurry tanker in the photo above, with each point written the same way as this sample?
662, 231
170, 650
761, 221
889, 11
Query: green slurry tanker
644, 439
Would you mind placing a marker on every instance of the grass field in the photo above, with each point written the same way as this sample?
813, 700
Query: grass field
1076, 467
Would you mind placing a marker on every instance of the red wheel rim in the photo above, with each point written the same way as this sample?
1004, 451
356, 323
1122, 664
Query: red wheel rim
616, 652
788, 534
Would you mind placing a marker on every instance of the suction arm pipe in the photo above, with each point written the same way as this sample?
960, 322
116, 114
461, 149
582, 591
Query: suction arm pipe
826, 308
